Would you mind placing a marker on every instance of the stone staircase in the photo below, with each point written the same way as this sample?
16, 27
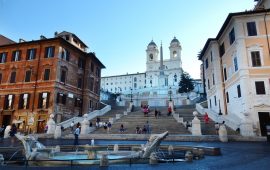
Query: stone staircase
137, 118
207, 128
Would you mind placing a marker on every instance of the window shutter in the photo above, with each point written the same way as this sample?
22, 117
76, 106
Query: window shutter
48, 100
20, 105
67, 55
13, 56
46, 52
64, 98
40, 100
52, 54
6, 102
28, 54
28, 101
12, 103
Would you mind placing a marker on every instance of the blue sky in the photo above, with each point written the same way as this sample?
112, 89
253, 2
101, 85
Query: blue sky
118, 31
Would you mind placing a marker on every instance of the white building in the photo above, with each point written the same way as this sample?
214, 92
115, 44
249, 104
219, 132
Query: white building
151, 87
237, 72
172, 70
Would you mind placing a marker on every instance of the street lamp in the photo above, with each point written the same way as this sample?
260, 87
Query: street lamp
170, 93
187, 93
219, 108
131, 95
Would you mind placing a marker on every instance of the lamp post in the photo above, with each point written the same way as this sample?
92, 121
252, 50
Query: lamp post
131, 95
187, 93
219, 108
170, 93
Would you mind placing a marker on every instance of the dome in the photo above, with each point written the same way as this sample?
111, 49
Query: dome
152, 43
175, 40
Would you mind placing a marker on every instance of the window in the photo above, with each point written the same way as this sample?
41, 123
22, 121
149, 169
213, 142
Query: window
24, 101
65, 54
0, 78
238, 91
80, 63
67, 37
16, 55
215, 99
31, 54
43, 100
227, 96
208, 83
174, 54
210, 103
151, 56
79, 85
47, 74
256, 59
78, 102
251, 28
135, 85
206, 63
13, 77
91, 83
232, 36
97, 72
213, 77
235, 64
221, 49
259, 85
27, 76
63, 76
3, 57
135, 79
49, 52
61, 98
211, 56
9, 101
225, 73
92, 66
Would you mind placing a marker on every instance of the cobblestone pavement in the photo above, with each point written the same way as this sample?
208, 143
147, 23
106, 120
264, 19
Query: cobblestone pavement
235, 155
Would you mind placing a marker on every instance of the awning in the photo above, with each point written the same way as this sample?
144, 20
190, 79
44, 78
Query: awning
17, 121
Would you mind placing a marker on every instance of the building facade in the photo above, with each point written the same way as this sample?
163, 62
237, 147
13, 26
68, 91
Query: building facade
150, 78
236, 71
47, 76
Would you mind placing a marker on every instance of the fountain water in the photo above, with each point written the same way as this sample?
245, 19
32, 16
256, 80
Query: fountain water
34, 150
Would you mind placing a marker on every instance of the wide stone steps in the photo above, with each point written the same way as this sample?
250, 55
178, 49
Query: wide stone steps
157, 125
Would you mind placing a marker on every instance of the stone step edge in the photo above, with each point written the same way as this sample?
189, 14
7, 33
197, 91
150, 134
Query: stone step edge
173, 137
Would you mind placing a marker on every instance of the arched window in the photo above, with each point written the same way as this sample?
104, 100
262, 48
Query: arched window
151, 56
174, 54
135, 79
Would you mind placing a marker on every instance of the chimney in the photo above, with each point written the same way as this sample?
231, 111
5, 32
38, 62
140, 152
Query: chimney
42, 37
55, 34
21, 40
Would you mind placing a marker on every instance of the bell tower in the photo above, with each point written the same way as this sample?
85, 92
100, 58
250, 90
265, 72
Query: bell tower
151, 52
175, 49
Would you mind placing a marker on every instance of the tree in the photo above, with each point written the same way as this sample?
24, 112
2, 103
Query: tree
186, 83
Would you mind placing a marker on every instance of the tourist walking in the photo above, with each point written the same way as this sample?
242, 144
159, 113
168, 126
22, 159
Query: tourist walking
71, 126
156, 113
122, 128
76, 134
109, 127
12, 133
148, 130
169, 110
216, 127
206, 118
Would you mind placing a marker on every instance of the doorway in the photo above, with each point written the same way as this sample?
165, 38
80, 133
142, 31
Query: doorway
264, 118
6, 120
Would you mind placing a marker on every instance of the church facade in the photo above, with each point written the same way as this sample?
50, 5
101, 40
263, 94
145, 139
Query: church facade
157, 85
171, 69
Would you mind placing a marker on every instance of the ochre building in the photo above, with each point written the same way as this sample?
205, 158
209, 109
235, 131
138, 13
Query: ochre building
47, 76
